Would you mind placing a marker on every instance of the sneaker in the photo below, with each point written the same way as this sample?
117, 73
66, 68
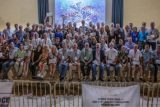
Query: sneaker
116, 79
108, 80
141, 79
38, 74
101, 79
42, 76
93, 79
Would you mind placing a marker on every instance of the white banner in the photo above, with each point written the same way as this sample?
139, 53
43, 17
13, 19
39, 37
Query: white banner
5, 92
99, 96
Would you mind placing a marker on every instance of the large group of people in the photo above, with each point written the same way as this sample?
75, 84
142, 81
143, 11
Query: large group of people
98, 50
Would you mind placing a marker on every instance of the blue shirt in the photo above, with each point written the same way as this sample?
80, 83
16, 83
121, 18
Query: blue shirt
147, 55
59, 34
129, 45
142, 36
134, 36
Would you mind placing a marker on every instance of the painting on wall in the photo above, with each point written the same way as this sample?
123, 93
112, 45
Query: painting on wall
78, 10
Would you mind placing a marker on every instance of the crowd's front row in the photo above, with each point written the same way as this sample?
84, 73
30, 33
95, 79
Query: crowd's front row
126, 64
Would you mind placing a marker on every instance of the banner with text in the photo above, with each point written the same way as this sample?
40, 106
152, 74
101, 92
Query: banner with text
5, 92
100, 96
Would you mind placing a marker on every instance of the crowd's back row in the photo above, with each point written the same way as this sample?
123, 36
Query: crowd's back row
43, 47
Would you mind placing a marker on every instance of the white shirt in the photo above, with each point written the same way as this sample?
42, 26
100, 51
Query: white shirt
111, 54
104, 46
135, 56
46, 42
8, 33
97, 60
104, 34
35, 42
12, 52
68, 42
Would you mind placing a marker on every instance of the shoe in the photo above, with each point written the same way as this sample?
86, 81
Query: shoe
132, 79
101, 79
126, 79
39, 75
61, 79
116, 79
84, 78
141, 79
108, 80
79, 80
87, 78
93, 79
42, 76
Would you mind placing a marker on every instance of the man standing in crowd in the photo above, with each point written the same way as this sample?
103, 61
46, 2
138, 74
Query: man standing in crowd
8, 31
153, 35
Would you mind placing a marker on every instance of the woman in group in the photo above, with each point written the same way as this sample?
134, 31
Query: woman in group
52, 60
34, 59
27, 61
43, 59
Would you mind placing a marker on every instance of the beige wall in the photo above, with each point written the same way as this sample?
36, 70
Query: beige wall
137, 11
18, 11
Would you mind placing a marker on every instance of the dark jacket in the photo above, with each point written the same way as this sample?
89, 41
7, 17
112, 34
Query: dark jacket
102, 55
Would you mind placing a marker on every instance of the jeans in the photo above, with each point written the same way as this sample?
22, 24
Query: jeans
33, 68
155, 73
85, 69
94, 71
141, 45
117, 68
62, 69
153, 44
6, 66
18, 66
